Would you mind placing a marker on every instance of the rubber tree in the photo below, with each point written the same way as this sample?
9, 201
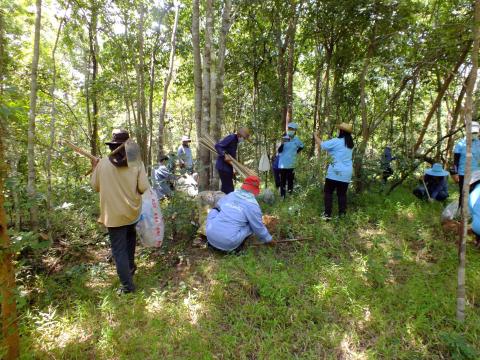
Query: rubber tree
472, 79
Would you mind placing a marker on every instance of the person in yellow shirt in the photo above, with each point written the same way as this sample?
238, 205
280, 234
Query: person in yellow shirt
121, 188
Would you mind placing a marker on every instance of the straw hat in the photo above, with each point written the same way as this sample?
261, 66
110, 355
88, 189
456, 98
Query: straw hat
345, 127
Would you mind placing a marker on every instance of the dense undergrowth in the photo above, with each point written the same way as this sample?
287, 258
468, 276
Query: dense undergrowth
380, 283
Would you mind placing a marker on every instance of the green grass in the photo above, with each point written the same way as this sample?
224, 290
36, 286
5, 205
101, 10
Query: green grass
378, 284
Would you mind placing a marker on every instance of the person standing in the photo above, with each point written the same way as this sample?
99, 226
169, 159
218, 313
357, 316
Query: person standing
385, 164
121, 188
235, 217
460, 158
227, 151
339, 173
434, 185
474, 206
287, 157
184, 154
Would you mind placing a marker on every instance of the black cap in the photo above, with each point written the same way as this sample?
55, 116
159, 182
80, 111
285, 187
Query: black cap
119, 136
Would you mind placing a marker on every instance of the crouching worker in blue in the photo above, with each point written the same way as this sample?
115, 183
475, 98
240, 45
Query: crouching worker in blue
236, 217
435, 180
474, 206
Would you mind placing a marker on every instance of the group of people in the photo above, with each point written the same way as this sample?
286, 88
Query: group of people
235, 216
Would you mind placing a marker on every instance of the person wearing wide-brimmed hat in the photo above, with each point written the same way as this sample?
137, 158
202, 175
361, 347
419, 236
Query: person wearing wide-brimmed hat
121, 188
474, 206
460, 158
237, 216
435, 180
184, 154
287, 157
227, 151
339, 173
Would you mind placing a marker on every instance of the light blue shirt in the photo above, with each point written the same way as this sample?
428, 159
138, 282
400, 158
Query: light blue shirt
341, 167
474, 206
239, 217
185, 154
288, 156
461, 148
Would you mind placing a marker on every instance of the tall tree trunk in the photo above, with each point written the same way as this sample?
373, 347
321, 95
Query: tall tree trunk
220, 72
282, 74
207, 58
439, 97
150, 100
93, 48
455, 116
326, 81
292, 27
465, 191
203, 154
53, 114
168, 78
141, 115
7, 272
31, 185
358, 163
438, 154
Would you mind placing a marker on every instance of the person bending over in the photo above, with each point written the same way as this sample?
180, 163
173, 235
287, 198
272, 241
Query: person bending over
435, 180
227, 151
236, 217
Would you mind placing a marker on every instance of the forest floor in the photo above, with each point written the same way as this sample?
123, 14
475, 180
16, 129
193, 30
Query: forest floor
380, 283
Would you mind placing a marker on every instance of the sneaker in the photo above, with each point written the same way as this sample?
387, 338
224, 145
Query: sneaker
326, 218
123, 290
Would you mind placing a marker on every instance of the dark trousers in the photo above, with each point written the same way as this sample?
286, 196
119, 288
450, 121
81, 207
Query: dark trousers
341, 188
276, 176
460, 189
123, 240
287, 176
227, 181
421, 193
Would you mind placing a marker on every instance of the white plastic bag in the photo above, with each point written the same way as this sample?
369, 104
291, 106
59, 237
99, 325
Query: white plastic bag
150, 227
264, 163
451, 211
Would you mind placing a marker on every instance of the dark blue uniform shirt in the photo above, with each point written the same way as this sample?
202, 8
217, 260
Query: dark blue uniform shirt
228, 145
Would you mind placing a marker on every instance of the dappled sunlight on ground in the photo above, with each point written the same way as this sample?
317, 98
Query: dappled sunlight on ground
376, 284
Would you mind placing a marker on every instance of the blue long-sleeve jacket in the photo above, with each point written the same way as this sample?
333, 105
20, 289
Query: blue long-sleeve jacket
239, 216
228, 145
474, 206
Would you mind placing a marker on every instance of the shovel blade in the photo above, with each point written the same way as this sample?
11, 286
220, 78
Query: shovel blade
134, 158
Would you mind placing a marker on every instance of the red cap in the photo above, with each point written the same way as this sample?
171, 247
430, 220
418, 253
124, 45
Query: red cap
252, 184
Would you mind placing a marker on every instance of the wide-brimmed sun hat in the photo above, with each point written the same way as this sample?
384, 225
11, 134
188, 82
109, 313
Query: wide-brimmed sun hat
186, 138
293, 126
252, 184
119, 136
436, 170
345, 127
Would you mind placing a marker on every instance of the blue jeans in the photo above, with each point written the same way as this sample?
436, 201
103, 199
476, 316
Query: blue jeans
123, 240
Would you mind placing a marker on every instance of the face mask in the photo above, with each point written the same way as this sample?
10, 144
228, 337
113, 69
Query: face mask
291, 133
241, 140
474, 136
